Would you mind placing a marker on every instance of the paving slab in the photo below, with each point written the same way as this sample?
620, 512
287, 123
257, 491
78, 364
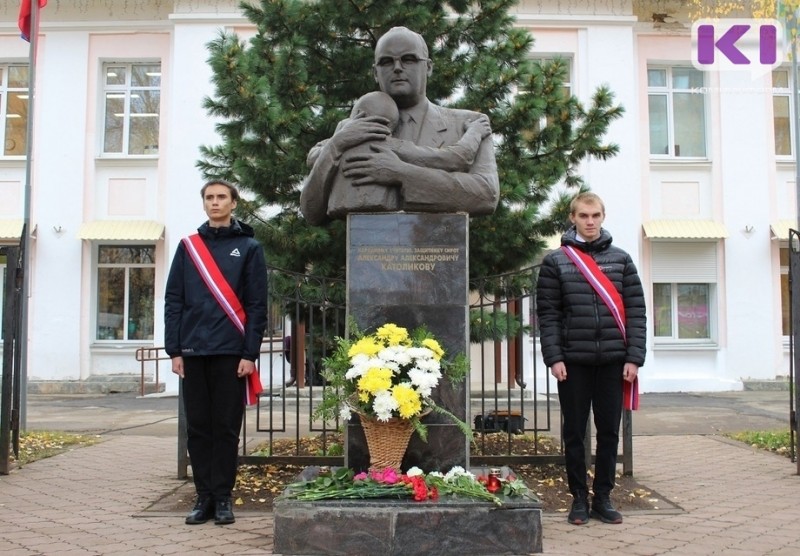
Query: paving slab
730, 498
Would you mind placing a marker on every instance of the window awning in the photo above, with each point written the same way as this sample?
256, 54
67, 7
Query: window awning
11, 229
780, 229
131, 230
684, 229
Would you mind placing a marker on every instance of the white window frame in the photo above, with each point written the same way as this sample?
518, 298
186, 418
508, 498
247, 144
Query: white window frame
686, 262
126, 297
784, 93
127, 91
5, 91
668, 91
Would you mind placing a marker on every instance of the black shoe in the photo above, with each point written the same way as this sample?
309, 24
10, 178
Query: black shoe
579, 514
223, 513
603, 510
202, 511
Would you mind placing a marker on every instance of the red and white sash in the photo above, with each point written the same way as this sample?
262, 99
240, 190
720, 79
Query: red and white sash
215, 280
223, 292
613, 300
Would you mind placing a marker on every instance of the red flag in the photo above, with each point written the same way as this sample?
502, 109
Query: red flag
25, 17
252, 388
630, 394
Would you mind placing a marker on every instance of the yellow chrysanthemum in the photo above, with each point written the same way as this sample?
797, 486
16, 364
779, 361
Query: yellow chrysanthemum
392, 334
408, 400
363, 397
375, 380
367, 346
434, 346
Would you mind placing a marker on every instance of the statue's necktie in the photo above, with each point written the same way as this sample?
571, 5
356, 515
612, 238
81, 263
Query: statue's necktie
406, 128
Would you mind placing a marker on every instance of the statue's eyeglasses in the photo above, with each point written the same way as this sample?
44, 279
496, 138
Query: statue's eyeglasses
406, 60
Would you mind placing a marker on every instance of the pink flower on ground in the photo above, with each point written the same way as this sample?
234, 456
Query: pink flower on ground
361, 477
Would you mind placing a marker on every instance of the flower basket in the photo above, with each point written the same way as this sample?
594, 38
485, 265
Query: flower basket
387, 441
388, 378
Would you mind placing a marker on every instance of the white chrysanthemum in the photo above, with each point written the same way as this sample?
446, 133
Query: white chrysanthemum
415, 472
431, 365
435, 474
420, 353
456, 472
389, 364
344, 413
423, 381
397, 354
383, 405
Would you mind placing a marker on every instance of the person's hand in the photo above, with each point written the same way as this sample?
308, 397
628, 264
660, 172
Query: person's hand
246, 367
177, 365
480, 124
359, 130
630, 371
559, 370
381, 166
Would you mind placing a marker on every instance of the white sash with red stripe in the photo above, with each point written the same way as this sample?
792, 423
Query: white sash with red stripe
223, 292
613, 300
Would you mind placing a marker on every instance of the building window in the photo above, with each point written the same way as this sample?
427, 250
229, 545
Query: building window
132, 108
782, 112
684, 292
14, 108
677, 112
682, 311
125, 292
566, 85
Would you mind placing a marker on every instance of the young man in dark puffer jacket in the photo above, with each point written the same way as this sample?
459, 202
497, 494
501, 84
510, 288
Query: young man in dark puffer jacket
584, 346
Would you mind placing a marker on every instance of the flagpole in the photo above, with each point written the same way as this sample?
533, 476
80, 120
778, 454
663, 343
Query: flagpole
22, 344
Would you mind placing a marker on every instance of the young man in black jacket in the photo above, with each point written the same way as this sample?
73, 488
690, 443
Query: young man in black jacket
591, 347
214, 350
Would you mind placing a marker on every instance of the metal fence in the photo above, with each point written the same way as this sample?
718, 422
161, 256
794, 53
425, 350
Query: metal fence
11, 385
509, 391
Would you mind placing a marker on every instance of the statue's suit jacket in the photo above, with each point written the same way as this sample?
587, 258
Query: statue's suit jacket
424, 189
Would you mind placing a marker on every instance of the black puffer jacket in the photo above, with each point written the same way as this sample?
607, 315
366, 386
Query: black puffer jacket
195, 324
575, 324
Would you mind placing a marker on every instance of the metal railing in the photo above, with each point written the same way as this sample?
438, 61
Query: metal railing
508, 388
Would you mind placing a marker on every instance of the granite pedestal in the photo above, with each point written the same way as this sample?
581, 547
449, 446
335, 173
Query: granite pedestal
412, 270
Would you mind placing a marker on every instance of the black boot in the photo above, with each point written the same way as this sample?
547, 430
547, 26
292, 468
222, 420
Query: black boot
604, 510
579, 514
223, 513
202, 511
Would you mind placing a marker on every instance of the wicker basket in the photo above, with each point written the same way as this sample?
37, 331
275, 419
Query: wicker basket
387, 441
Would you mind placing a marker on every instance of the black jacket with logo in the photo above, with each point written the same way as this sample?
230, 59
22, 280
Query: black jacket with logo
195, 324
575, 324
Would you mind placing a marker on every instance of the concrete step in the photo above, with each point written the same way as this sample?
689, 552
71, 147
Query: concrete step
778, 384
95, 384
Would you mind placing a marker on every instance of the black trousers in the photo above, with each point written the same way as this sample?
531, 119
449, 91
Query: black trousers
213, 398
598, 388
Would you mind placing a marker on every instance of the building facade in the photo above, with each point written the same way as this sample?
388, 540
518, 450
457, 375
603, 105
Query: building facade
702, 193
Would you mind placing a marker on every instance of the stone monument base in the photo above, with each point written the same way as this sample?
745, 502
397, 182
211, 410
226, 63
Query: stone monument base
386, 527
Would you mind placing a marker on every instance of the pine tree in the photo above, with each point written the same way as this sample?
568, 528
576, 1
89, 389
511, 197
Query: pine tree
285, 89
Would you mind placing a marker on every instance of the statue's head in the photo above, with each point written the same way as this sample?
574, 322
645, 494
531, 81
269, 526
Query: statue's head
377, 103
402, 66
